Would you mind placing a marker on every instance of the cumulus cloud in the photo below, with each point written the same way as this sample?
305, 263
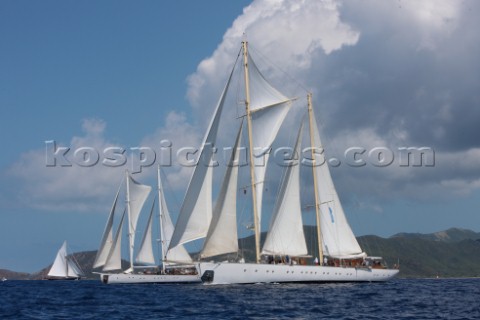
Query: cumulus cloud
290, 33
70, 188
384, 74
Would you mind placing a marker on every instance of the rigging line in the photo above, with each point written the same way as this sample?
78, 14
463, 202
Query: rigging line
264, 57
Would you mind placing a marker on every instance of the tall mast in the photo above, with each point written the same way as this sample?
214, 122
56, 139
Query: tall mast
160, 213
317, 202
250, 143
130, 231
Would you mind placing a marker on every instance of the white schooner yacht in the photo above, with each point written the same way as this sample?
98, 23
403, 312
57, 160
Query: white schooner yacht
176, 265
339, 256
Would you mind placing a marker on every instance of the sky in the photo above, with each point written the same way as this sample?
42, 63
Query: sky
384, 74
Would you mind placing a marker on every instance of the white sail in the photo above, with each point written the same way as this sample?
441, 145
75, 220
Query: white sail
222, 234
136, 195
64, 266
59, 267
114, 258
201, 214
338, 238
268, 109
73, 268
196, 211
286, 236
107, 238
145, 253
179, 253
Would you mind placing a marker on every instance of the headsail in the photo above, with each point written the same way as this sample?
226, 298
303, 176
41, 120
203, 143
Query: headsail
145, 253
179, 253
59, 267
107, 238
114, 258
222, 234
136, 195
73, 268
196, 211
338, 238
286, 236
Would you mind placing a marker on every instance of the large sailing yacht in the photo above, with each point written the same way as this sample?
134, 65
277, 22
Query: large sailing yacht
176, 264
282, 256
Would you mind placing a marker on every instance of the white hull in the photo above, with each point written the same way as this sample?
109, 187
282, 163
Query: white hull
117, 278
230, 273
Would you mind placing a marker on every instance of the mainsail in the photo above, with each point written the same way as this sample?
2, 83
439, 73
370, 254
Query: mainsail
338, 238
286, 236
222, 234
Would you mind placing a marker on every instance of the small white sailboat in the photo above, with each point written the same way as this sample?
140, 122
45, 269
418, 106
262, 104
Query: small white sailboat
65, 267
176, 265
340, 257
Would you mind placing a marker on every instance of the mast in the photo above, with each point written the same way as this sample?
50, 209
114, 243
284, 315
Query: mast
130, 233
317, 202
250, 146
66, 260
160, 214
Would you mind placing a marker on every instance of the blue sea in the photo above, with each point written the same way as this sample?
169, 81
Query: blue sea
398, 299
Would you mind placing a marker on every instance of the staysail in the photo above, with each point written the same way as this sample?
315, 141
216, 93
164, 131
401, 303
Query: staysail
145, 253
114, 258
136, 195
196, 211
107, 238
268, 109
338, 238
179, 253
222, 234
286, 235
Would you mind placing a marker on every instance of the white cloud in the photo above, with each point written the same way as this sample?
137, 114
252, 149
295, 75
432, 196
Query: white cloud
73, 188
390, 74
288, 32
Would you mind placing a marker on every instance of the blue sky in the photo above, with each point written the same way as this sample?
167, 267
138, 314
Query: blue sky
126, 73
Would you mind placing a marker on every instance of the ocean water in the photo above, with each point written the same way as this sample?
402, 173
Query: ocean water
397, 299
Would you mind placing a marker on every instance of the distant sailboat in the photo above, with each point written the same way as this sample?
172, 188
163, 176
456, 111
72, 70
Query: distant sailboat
176, 266
64, 267
340, 256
